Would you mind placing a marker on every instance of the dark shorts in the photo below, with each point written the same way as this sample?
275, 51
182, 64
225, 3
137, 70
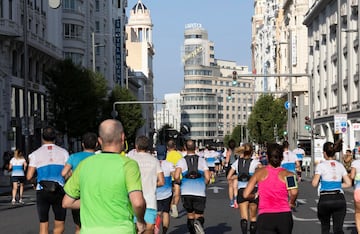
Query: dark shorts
193, 204
281, 223
46, 199
164, 205
76, 216
18, 179
241, 199
211, 168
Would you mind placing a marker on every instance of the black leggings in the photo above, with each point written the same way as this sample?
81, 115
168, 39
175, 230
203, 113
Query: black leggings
332, 205
275, 223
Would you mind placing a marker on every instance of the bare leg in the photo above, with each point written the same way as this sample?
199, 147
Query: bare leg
357, 216
14, 190
77, 229
21, 190
44, 228
149, 228
230, 189
59, 227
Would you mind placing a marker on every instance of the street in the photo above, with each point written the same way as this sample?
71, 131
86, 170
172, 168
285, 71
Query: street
219, 217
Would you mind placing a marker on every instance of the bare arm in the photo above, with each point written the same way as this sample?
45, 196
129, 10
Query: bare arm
160, 179
30, 173
139, 206
177, 174
315, 180
207, 176
346, 181
353, 173
293, 193
69, 202
66, 171
250, 187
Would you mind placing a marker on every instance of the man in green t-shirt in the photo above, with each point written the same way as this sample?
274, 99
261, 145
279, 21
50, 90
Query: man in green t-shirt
109, 186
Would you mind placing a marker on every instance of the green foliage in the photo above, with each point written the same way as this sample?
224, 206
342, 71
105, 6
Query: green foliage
267, 113
130, 115
75, 97
238, 134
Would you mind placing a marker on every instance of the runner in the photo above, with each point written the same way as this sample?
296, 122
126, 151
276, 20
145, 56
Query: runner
245, 167
174, 156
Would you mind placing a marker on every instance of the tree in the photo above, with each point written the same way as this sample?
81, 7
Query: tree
130, 115
267, 113
75, 98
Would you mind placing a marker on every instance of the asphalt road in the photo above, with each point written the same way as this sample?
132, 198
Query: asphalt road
219, 217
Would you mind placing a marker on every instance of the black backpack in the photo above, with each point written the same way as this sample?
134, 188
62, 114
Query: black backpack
243, 169
192, 164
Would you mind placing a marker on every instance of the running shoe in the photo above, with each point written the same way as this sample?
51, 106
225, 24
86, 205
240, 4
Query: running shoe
232, 203
212, 180
174, 211
13, 201
21, 202
198, 227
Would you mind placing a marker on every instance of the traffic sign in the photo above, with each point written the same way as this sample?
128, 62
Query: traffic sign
340, 123
287, 105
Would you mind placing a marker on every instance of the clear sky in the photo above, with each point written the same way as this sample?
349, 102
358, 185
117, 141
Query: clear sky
228, 24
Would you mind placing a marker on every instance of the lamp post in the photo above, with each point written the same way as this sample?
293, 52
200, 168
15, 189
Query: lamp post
26, 78
290, 127
94, 45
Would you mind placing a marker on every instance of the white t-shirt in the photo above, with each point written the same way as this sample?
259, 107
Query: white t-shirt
49, 160
149, 169
165, 191
17, 166
356, 164
253, 165
195, 187
331, 172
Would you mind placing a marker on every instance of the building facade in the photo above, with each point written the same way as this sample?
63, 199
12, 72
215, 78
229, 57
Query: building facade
140, 52
333, 48
33, 37
211, 105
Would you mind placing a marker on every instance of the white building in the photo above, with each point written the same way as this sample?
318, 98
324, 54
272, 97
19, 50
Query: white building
333, 48
140, 52
211, 105
170, 113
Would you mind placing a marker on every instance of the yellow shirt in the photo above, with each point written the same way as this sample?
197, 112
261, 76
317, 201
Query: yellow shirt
173, 156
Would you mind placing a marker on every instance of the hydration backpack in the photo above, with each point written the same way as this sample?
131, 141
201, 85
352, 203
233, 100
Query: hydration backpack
243, 169
192, 164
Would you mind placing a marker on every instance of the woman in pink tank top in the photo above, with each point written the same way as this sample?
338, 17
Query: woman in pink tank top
275, 199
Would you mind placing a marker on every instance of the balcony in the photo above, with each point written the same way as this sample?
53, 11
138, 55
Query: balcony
10, 28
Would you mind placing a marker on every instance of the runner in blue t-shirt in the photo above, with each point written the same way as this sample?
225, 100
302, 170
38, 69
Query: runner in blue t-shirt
89, 144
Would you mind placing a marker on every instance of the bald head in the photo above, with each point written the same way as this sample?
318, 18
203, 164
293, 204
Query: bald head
111, 132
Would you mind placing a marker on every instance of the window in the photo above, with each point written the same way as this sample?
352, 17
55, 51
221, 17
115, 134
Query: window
14, 63
69, 4
72, 31
97, 5
1, 9
10, 10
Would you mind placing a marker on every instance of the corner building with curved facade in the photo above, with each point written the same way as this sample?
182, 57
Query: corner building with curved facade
212, 105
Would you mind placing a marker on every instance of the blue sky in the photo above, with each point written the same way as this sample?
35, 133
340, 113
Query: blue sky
228, 24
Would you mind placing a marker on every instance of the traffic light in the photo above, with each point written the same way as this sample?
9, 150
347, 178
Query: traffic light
229, 94
307, 123
234, 76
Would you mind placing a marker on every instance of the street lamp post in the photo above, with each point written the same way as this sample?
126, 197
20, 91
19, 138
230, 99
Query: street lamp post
94, 45
26, 78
